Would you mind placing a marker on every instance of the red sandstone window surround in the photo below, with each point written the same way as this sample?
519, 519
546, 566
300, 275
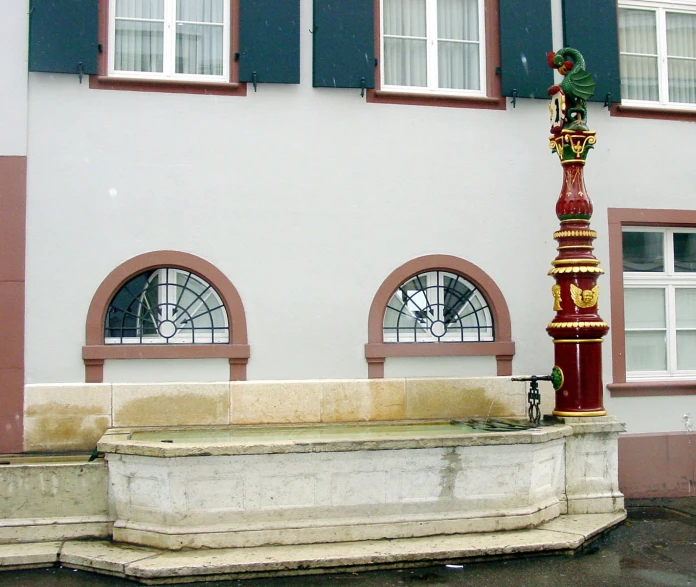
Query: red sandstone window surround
223, 84
487, 94
619, 218
235, 347
497, 335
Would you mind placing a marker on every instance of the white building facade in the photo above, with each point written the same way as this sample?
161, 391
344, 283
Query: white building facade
257, 160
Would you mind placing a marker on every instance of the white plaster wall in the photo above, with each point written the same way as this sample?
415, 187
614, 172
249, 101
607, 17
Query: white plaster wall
307, 199
14, 23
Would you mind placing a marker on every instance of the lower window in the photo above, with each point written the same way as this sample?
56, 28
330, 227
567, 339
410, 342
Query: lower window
163, 306
659, 279
438, 306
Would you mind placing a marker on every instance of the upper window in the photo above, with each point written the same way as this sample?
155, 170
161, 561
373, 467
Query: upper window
185, 40
163, 306
660, 302
657, 43
437, 306
433, 46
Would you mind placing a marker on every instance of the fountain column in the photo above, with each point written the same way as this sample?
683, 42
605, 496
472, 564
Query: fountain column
577, 329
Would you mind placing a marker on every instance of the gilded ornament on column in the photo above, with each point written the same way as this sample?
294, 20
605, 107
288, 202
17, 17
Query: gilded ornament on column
584, 298
556, 291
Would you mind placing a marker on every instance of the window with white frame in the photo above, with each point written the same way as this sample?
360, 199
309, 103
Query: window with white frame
660, 302
187, 40
657, 44
163, 306
438, 306
433, 46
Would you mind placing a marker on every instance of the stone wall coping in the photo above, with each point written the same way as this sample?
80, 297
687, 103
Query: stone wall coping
118, 441
595, 424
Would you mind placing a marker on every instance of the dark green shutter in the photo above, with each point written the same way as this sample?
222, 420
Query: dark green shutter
63, 36
344, 44
591, 27
525, 39
269, 41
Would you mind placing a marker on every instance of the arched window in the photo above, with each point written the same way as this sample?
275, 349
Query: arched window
165, 305
438, 305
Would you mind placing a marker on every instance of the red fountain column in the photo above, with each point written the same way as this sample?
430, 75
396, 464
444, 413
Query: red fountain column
577, 329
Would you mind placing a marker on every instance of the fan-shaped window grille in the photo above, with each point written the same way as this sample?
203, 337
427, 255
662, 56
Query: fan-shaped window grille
166, 305
438, 306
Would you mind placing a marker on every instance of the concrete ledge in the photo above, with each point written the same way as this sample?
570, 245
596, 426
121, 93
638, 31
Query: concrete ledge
151, 566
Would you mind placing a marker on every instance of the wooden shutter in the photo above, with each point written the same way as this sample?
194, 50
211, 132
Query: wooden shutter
525, 39
591, 27
344, 44
63, 36
269, 41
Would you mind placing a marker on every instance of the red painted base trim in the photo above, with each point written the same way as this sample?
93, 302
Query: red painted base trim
13, 191
658, 465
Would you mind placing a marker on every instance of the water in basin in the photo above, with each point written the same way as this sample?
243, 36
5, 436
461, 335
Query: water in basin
308, 433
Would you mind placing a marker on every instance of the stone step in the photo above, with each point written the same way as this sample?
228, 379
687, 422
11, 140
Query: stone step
151, 566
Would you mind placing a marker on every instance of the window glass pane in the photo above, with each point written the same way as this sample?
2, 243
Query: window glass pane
644, 308
637, 31
638, 48
646, 351
200, 11
681, 34
686, 307
686, 350
682, 80
138, 46
140, 9
639, 78
405, 62
643, 251
404, 18
199, 49
458, 19
458, 65
684, 251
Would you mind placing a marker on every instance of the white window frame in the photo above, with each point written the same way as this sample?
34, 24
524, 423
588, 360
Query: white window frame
669, 281
432, 55
660, 8
169, 49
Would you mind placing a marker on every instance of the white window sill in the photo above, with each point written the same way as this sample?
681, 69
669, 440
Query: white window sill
670, 106
637, 109
185, 79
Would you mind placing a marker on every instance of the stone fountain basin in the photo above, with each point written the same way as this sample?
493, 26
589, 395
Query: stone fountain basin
252, 486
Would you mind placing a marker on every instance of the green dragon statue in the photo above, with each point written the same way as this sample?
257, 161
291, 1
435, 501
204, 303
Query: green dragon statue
578, 85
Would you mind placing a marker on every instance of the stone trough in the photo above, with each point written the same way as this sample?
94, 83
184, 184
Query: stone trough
252, 486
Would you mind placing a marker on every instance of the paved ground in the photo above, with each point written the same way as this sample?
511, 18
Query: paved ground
655, 547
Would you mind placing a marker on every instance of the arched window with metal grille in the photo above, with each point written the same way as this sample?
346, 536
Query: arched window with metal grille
438, 306
165, 306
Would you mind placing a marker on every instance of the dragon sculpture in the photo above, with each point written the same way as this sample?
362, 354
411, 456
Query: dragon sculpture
578, 85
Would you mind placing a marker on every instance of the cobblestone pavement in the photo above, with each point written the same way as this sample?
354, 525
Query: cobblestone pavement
655, 547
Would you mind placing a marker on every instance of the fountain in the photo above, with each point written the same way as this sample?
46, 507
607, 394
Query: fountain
409, 473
